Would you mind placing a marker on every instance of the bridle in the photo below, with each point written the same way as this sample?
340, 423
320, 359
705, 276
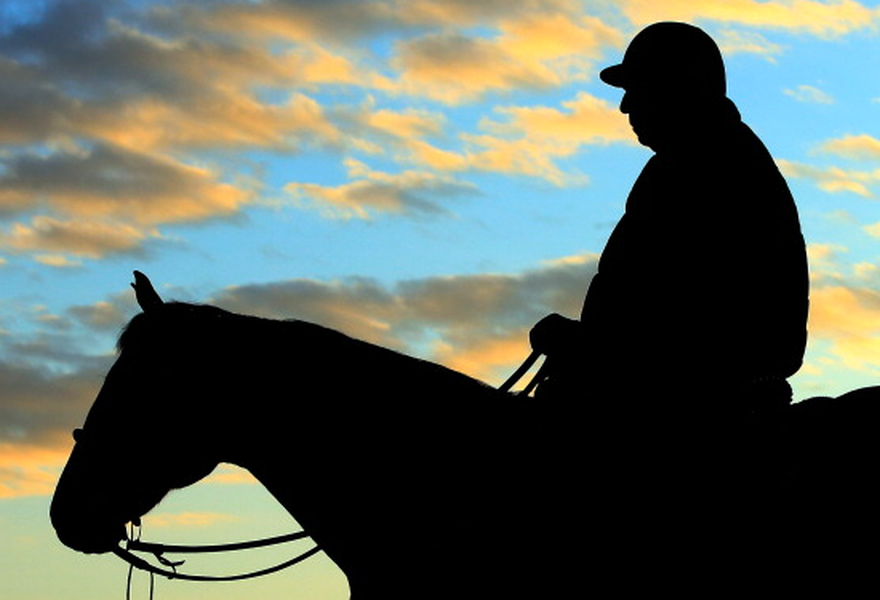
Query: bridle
168, 568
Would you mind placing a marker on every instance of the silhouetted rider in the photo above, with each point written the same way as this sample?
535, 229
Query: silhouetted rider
702, 289
688, 332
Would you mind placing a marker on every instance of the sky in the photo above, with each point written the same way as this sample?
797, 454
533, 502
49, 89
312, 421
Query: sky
430, 175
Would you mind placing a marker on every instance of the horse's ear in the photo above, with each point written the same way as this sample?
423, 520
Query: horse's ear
144, 292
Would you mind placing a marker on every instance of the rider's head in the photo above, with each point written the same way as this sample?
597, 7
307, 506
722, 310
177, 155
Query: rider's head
670, 73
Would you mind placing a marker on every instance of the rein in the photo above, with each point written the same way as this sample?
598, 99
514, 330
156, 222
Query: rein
169, 568
527, 364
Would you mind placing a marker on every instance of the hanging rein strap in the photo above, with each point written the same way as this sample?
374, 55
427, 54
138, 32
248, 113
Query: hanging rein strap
158, 550
520, 373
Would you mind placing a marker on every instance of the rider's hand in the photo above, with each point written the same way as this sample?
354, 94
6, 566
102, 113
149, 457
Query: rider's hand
554, 334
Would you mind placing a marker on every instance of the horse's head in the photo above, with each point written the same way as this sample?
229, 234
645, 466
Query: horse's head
148, 431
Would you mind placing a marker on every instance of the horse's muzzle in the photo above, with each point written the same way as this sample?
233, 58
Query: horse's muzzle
85, 529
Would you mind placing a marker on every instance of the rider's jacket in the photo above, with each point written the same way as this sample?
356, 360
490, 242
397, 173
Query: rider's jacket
704, 280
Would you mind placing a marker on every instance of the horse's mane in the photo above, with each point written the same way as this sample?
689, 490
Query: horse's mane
204, 330
196, 321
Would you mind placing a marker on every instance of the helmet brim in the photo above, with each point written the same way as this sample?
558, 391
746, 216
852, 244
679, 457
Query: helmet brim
614, 75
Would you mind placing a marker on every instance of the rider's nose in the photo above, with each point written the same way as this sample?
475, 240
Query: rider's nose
625, 103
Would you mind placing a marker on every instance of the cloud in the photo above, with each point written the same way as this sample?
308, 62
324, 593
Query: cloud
849, 317
29, 470
147, 93
856, 147
41, 407
339, 21
537, 51
468, 13
490, 360
110, 110
228, 474
873, 230
408, 193
825, 19
824, 262
844, 323
228, 118
476, 322
516, 140
187, 519
455, 68
89, 239
833, 179
734, 42
104, 316
536, 45
110, 182
357, 306
810, 95
91, 53
530, 141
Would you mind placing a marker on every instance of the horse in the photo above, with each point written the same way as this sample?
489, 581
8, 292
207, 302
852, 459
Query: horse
402, 471
416, 480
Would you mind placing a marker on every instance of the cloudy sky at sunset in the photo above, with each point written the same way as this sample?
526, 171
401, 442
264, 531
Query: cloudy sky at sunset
430, 175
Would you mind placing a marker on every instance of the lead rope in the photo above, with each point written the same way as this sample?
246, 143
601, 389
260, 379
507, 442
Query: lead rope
134, 535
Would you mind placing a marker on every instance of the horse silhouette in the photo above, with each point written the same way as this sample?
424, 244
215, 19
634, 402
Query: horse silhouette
416, 480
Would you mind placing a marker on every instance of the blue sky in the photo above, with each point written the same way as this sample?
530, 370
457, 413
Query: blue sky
354, 163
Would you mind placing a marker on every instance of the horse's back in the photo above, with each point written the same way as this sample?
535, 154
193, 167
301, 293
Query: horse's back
831, 510
834, 444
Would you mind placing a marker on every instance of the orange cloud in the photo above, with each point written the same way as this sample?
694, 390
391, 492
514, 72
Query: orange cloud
833, 179
186, 519
27, 470
519, 141
857, 147
276, 20
230, 119
457, 315
810, 94
492, 360
91, 239
467, 13
530, 140
410, 192
113, 183
747, 42
226, 474
454, 68
849, 317
532, 51
824, 19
